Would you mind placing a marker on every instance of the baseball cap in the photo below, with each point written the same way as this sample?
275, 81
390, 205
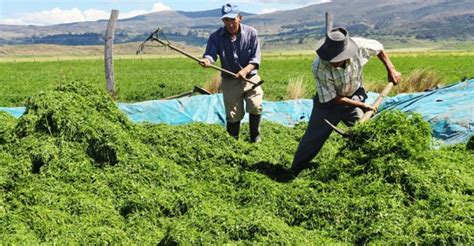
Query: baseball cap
229, 11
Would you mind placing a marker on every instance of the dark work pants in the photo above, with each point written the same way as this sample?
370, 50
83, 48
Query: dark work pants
318, 130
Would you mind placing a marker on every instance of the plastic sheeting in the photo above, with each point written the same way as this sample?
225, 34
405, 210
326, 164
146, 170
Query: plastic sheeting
206, 109
17, 112
210, 109
449, 110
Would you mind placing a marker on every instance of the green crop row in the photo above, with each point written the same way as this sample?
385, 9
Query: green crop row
149, 79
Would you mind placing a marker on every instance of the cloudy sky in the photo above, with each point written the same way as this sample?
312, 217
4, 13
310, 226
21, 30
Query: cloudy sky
48, 12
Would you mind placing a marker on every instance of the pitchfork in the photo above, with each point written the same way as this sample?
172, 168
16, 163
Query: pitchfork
367, 115
155, 36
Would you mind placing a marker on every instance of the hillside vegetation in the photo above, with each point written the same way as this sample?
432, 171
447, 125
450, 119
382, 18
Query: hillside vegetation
401, 21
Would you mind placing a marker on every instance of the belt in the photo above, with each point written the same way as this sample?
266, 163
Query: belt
228, 76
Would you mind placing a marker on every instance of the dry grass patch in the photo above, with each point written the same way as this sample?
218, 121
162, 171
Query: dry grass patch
295, 88
418, 81
214, 85
45, 52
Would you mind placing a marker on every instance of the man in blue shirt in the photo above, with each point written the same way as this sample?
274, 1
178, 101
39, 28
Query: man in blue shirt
238, 48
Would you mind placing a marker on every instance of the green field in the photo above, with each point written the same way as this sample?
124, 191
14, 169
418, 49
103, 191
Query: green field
148, 79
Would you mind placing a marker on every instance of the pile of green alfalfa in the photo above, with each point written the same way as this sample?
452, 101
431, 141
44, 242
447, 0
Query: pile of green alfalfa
73, 169
6, 127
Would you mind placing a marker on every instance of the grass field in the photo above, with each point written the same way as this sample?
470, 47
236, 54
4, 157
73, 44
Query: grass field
154, 78
41, 52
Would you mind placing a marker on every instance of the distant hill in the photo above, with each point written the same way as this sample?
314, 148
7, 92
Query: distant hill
395, 19
214, 13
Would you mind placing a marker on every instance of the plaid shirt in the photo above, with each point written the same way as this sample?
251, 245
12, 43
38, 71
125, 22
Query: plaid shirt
332, 82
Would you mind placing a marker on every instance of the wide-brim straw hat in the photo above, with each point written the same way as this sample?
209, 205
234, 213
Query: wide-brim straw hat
337, 46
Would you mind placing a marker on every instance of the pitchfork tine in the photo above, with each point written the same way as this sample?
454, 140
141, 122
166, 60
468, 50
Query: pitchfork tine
151, 36
338, 130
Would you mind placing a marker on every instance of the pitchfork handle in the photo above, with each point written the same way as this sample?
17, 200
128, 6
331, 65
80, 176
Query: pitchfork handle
199, 60
377, 102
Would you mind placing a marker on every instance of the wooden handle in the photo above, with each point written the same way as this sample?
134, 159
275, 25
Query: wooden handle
199, 60
377, 102
329, 21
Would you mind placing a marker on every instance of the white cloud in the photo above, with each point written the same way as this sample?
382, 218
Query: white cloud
291, 4
132, 13
266, 11
55, 16
156, 8
95, 14
159, 7
58, 16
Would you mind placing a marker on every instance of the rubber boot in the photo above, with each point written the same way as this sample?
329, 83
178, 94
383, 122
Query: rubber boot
255, 122
233, 129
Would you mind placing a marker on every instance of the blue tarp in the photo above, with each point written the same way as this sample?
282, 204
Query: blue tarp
449, 110
210, 109
17, 112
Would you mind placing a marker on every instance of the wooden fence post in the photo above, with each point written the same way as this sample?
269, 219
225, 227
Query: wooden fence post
108, 60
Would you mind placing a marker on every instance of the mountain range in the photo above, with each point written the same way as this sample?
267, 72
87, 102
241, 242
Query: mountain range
397, 19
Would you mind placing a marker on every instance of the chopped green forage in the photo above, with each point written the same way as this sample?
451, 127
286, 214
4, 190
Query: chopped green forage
75, 170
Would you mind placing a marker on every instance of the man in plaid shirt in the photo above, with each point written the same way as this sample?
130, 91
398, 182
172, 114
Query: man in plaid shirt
340, 94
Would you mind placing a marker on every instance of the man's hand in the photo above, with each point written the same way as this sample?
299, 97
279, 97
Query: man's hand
242, 74
353, 103
367, 107
205, 62
394, 76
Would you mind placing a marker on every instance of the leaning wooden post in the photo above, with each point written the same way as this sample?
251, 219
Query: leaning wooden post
109, 42
329, 21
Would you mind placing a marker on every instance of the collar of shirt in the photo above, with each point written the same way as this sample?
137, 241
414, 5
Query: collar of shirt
342, 81
330, 67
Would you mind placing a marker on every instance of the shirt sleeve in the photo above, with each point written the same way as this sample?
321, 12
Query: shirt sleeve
326, 88
368, 48
255, 55
211, 49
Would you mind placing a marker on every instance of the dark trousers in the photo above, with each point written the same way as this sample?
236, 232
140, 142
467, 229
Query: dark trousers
318, 130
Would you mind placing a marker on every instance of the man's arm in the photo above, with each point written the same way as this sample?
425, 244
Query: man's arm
210, 55
255, 58
370, 48
393, 75
349, 102
246, 70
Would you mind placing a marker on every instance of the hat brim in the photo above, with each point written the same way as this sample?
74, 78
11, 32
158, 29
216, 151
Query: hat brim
324, 53
230, 16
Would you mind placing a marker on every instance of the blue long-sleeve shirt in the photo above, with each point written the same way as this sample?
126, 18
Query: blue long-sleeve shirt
237, 54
